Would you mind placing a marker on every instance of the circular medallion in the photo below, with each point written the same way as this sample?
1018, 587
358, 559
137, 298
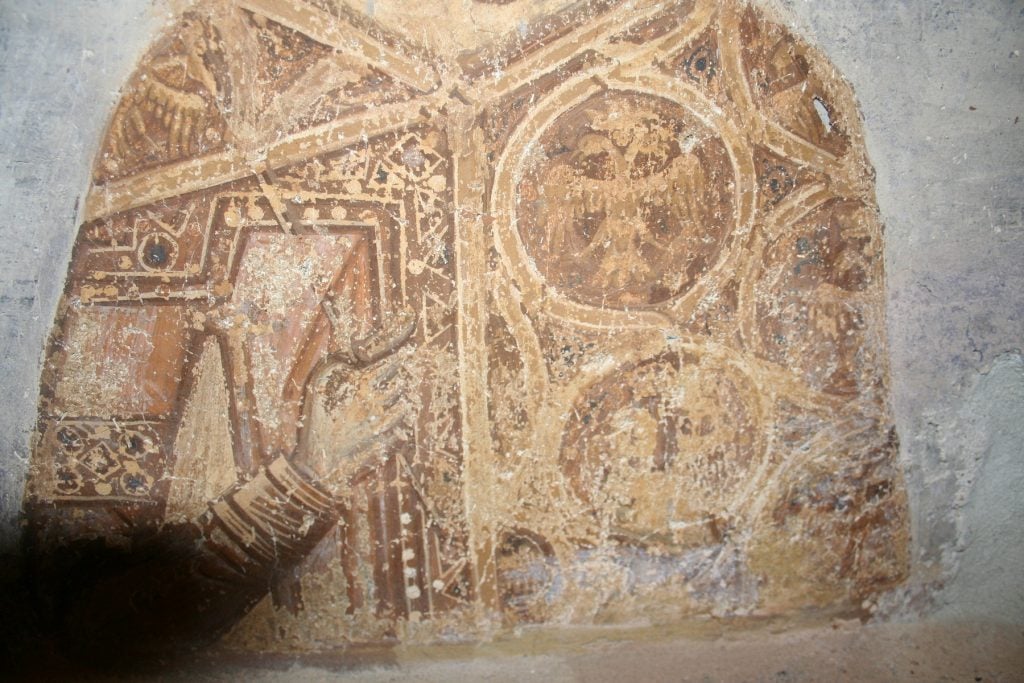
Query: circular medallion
625, 200
661, 453
158, 251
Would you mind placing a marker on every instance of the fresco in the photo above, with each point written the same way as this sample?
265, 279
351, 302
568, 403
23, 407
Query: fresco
423, 324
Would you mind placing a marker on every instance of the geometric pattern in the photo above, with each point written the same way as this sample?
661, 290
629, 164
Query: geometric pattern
640, 245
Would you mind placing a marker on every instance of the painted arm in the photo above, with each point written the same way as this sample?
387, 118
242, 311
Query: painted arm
184, 586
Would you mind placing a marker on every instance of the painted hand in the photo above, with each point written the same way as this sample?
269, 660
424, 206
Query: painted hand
355, 406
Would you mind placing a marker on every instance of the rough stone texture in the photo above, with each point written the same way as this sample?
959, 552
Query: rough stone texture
986, 584
940, 89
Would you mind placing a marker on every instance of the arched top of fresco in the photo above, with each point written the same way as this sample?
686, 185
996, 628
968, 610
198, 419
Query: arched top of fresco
493, 312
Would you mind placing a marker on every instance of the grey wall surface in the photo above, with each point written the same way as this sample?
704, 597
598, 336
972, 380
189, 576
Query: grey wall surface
941, 85
61, 65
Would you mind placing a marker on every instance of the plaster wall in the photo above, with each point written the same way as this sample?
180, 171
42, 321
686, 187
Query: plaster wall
941, 87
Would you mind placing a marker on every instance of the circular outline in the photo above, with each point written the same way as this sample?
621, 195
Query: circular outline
172, 257
509, 171
669, 112
762, 414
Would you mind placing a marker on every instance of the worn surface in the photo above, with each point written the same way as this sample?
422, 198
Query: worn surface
940, 114
639, 250
932, 651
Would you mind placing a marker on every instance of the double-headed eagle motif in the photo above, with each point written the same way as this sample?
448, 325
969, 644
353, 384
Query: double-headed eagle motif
630, 199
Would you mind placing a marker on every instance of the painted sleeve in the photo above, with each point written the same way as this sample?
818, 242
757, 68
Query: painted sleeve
272, 521
183, 587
